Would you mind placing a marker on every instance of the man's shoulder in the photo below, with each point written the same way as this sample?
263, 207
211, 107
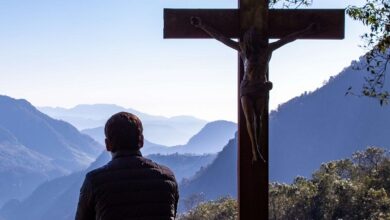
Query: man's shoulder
96, 171
147, 165
164, 170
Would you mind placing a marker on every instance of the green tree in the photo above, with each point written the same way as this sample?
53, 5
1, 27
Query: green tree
349, 189
193, 200
353, 188
291, 201
224, 208
376, 15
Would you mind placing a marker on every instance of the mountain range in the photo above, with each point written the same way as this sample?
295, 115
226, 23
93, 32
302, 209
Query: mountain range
57, 199
157, 129
308, 130
209, 140
326, 125
98, 135
311, 129
216, 180
35, 148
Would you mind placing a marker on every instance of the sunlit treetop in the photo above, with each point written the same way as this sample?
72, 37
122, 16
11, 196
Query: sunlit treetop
376, 15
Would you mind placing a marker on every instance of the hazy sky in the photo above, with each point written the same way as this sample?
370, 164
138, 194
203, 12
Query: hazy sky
68, 52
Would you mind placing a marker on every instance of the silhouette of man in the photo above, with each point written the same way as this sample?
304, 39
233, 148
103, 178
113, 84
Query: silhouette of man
129, 186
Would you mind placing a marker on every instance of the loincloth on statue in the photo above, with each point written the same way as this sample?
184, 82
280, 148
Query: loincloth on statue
255, 89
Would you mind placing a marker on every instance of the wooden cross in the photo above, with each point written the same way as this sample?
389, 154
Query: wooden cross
253, 179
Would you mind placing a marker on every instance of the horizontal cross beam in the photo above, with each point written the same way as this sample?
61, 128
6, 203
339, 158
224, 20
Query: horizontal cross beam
281, 22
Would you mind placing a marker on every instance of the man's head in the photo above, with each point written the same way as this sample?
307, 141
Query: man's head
123, 132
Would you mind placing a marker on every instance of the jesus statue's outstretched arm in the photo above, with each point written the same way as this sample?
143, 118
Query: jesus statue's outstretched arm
292, 37
197, 22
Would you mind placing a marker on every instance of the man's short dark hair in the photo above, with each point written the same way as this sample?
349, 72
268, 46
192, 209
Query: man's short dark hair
124, 131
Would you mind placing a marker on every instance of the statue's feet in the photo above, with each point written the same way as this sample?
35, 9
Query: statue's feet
254, 159
262, 158
257, 157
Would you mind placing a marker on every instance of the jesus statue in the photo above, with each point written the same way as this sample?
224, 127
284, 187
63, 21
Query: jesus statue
255, 53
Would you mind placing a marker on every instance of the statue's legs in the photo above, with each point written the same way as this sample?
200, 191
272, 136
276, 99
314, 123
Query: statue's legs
260, 104
248, 106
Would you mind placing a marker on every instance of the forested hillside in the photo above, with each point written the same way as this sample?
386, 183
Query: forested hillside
357, 187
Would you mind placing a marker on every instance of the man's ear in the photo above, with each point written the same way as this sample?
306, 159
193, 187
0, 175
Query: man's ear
141, 141
108, 145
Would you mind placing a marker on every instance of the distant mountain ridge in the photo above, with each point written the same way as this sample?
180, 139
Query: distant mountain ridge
158, 129
325, 125
305, 132
53, 138
35, 148
59, 196
57, 199
98, 135
14, 155
308, 130
22, 169
94, 115
216, 180
209, 140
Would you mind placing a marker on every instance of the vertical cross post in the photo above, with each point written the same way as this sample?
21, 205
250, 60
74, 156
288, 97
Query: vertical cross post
252, 177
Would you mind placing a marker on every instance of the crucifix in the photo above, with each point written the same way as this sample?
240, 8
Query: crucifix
253, 24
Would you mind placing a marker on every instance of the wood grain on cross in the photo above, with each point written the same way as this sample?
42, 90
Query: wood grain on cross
277, 23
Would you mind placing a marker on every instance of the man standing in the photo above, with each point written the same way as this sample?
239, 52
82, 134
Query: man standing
129, 186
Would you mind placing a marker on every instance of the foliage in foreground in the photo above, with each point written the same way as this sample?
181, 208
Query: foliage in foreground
353, 188
375, 14
356, 188
221, 209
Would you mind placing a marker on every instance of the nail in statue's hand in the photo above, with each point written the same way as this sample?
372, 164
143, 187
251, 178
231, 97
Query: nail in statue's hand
196, 21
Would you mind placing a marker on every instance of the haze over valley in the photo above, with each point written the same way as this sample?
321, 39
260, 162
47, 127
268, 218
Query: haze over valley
44, 160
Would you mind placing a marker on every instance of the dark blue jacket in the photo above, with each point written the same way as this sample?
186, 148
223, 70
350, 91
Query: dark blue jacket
128, 187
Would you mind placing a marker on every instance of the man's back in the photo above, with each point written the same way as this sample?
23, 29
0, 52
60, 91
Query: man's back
128, 187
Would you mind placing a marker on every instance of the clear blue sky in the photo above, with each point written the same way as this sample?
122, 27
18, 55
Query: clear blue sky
68, 52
